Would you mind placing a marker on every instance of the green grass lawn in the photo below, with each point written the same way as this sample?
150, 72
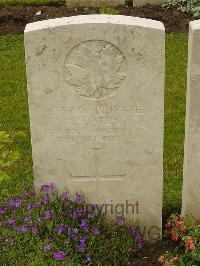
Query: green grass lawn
14, 113
31, 2
175, 96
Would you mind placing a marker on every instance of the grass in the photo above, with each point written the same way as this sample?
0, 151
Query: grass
14, 114
175, 93
31, 2
14, 108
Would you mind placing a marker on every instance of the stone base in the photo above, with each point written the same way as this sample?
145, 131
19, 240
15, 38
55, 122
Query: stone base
144, 2
93, 3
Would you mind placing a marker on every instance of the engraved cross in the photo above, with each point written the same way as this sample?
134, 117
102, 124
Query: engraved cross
96, 176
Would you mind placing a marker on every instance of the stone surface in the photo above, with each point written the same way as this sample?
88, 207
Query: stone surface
93, 3
191, 183
96, 86
145, 2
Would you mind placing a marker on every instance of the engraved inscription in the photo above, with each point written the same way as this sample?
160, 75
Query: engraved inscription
109, 135
95, 69
96, 176
107, 123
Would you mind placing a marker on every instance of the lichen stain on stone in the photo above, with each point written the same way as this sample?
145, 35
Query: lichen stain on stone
40, 50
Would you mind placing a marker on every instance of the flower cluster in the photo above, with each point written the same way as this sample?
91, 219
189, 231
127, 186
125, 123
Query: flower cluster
185, 231
65, 229
168, 259
135, 233
189, 244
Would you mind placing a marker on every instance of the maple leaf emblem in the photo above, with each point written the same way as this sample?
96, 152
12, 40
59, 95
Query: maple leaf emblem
95, 69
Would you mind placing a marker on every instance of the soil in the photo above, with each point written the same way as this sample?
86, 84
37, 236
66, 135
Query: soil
149, 255
14, 18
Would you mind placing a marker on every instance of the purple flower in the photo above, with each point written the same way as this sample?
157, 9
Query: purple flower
130, 249
30, 206
119, 220
59, 255
39, 219
48, 215
23, 229
45, 199
72, 232
82, 244
81, 248
64, 197
26, 195
93, 207
133, 231
27, 219
34, 229
88, 262
96, 231
47, 248
11, 222
15, 204
138, 237
140, 245
90, 215
79, 198
60, 229
16, 197
83, 239
84, 225
2, 210
16, 229
50, 239
78, 213
46, 188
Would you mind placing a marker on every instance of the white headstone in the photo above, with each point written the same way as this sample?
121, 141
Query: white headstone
96, 86
93, 3
191, 183
145, 2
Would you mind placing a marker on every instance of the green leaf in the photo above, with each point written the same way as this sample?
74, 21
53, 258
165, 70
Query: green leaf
4, 154
4, 136
3, 177
2, 145
20, 134
2, 162
13, 156
5, 191
7, 164
176, 250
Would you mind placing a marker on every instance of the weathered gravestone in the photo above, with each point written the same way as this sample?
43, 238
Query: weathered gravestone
191, 183
95, 86
145, 2
93, 3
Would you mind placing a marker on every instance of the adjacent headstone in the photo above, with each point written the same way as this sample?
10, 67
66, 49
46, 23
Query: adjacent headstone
145, 2
93, 3
96, 86
191, 183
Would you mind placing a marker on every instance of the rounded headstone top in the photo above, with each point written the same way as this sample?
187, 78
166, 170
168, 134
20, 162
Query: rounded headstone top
95, 19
